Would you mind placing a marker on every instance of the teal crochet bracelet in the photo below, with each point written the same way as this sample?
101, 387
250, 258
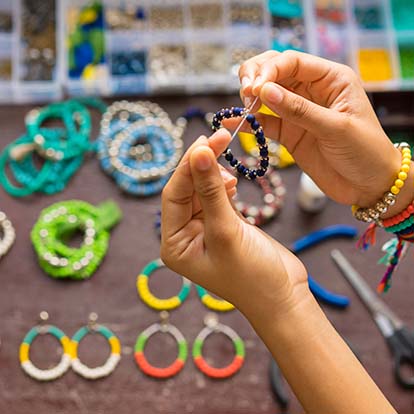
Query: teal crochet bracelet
59, 222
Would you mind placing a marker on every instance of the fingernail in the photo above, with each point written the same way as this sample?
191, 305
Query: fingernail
203, 161
245, 82
227, 176
257, 82
247, 101
273, 94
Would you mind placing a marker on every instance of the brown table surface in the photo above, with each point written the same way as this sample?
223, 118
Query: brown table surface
26, 290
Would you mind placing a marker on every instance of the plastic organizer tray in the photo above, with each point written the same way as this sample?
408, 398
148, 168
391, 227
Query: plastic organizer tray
120, 47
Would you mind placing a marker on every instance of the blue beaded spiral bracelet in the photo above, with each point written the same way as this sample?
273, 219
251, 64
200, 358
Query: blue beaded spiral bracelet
257, 130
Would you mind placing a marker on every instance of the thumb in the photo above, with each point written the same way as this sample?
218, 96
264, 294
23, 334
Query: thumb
299, 110
210, 189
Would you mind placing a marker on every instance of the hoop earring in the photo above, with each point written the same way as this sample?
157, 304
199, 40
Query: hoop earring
42, 329
111, 362
213, 326
165, 327
212, 303
149, 299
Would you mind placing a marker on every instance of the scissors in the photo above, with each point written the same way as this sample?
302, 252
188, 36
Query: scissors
399, 339
314, 238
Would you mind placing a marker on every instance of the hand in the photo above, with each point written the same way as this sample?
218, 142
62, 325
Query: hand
326, 122
206, 240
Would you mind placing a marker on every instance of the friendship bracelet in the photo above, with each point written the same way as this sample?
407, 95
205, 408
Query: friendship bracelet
273, 197
164, 327
24, 354
58, 222
149, 299
109, 366
213, 326
9, 234
399, 218
139, 146
257, 130
373, 214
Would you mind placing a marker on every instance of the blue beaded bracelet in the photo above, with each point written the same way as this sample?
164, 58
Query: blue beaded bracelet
257, 130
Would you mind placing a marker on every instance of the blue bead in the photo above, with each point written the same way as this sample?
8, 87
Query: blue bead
261, 140
237, 111
241, 169
219, 115
255, 125
260, 134
233, 162
264, 163
260, 172
216, 123
250, 118
228, 156
264, 152
252, 175
227, 113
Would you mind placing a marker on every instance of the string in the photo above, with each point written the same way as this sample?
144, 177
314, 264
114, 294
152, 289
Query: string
232, 137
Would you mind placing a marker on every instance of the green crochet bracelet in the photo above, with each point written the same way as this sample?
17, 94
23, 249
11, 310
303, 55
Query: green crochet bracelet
59, 222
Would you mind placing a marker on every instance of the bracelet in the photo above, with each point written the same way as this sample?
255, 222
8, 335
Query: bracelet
58, 222
273, 197
139, 146
9, 234
257, 130
61, 148
373, 214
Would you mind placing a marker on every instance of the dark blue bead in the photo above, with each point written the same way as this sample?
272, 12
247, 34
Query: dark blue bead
264, 163
252, 175
241, 169
227, 113
260, 172
261, 140
260, 134
250, 118
219, 115
255, 125
264, 152
237, 111
229, 156
233, 162
193, 113
216, 123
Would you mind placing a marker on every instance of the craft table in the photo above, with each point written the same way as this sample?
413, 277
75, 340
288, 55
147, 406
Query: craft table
26, 290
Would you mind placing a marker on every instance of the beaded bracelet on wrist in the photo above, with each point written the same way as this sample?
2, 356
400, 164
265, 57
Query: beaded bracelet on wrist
257, 130
373, 214
9, 234
58, 222
273, 197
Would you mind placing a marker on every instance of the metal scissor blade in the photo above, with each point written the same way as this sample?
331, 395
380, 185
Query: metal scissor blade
368, 296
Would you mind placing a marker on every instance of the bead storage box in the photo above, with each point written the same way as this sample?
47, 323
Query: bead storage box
118, 47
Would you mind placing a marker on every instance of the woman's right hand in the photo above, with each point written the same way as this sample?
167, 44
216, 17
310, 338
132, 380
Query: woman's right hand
326, 122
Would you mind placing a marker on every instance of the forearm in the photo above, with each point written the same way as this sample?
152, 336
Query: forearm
322, 371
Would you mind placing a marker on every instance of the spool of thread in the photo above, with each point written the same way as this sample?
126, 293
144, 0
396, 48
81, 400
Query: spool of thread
310, 197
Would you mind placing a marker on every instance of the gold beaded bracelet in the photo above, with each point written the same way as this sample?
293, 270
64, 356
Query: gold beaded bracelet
372, 214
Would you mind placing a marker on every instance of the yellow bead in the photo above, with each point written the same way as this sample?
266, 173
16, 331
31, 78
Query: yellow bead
406, 161
399, 183
354, 208
406, 152
402, 175
395, 190
405, 168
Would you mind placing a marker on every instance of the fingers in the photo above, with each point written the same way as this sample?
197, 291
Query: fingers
292, 64
217, 210
299, 110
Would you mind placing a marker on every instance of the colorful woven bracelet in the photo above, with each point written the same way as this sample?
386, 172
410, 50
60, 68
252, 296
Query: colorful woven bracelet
212, 303
9, 234
24, 354
213, 326
373, 214
111, 362
149, 299
257, 130
177, 365
139, 146
399, 218
273, 197
58, 222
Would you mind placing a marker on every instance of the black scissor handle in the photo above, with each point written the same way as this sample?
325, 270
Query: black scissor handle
402, 348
